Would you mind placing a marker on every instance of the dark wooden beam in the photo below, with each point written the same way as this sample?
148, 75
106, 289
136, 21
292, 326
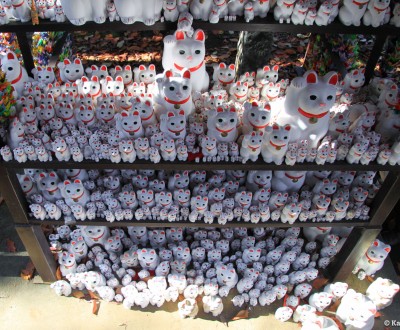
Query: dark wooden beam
267, 24
39, 251
208, 166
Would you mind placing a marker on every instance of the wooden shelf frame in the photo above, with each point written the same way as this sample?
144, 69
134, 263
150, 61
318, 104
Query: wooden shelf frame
364, 232
184, 224
207, 166
36, 244
267, 24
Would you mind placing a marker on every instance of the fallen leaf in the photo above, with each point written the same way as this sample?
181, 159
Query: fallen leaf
334, 306
58, 274
10, 245
93, 295
78, 294
369, 278
243, 314
319, 282
338, 323
27, 272
118, 290
96, 306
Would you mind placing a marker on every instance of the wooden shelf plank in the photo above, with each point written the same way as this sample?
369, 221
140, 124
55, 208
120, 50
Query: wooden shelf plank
155, 223
267, 24
208, 166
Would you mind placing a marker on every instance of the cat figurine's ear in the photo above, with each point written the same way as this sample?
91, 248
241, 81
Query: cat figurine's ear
311, 77
199, 35
331, 78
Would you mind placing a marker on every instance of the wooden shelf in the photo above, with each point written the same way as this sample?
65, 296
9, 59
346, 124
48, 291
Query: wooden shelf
267, 24
156, 223
208, 166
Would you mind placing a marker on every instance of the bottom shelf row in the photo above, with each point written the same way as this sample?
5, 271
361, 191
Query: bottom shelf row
215, 268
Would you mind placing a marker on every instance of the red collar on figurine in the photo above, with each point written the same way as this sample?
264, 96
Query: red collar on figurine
18, 78
97, 238
65, 119
380, 10
27, 192
294, 177
277, 146
240, 96
254, 148
128, 152
272, 97
177, 131
193, 69
88, 121
288, 5
72, 177
70, 266
224, 131
125, 108
147, 118
108, 120
170, 9
311, 115
133, 131
96, 95
390, 104
371, 261
183, 19
360, 3
176, 102
226, 82
220, 4
258, 127
75, 199
19, 5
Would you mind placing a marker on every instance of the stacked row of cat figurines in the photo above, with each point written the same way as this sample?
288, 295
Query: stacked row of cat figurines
145, 267
173, 115
197, 196
308, 12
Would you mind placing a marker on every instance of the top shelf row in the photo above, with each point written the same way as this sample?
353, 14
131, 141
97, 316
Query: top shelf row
259, 24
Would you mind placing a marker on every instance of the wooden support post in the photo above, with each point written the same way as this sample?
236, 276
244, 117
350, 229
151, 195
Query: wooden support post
355, 246
386, 199
38, 249
376, 52
26, 51
13, 195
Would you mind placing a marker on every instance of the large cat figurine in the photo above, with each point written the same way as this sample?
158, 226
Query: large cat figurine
352, 11
81, 11
131, 11
182, 53
356, 311
307, 104
16, 74
372, 260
